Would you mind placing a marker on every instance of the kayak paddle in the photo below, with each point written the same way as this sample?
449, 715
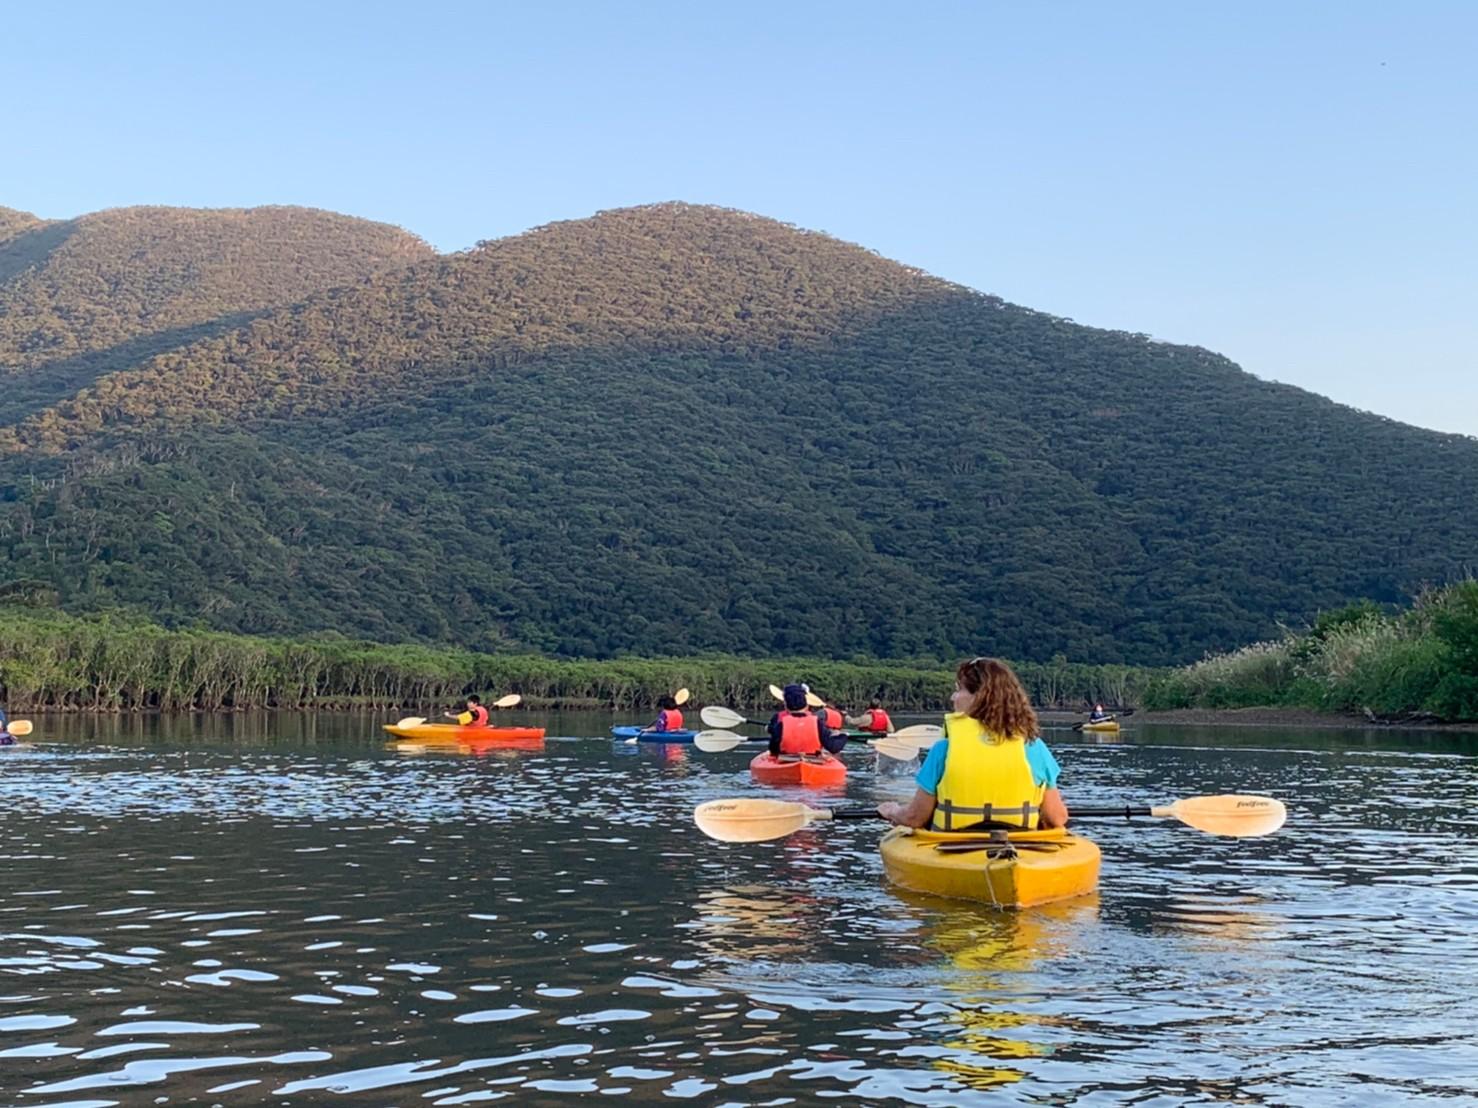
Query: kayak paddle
410, 721
716, 715
778, 693
900, 744
753, 820
681, 697
19, 727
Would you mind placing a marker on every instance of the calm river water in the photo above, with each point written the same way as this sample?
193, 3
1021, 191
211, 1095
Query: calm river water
282, 911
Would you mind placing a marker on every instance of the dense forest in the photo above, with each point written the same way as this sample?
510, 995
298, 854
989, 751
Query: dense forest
675, 430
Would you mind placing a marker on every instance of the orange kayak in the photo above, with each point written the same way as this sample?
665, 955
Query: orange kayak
454, 732
814, 771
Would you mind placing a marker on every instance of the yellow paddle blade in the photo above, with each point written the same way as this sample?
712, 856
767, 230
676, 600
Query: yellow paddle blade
921, 735
1232, 814
410, 721
815, 701
716, 715
753, 820
681, 697
716, 742
507, 701
777, 692
19, 727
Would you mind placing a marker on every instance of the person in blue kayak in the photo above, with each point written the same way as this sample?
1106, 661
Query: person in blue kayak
991, 768
473, 715
669, 716
796, 730
1098, 715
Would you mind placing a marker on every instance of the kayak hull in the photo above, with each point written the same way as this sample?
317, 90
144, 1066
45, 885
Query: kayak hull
1035, 868
456, 733
634, 732
1108, 726
816, 772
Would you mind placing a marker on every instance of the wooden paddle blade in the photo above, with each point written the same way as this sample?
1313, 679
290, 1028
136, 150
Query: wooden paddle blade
753, 820
716, 715
922, 735
411, 721
1232, 814
681, 697
777, 692
507, 701
19, 727
814, 701
716, 742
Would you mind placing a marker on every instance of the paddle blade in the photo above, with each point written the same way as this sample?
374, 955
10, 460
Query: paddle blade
681, 697
892, 747
814, 701
19, 727
1232, 814
507, 701
777, 692
921, 735
716, 715
410, 721
716, 742
753, 820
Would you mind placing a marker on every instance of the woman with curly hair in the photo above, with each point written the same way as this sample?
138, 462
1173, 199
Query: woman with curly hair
991, 768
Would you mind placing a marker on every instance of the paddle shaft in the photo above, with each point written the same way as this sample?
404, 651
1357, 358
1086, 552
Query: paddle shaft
1127, 811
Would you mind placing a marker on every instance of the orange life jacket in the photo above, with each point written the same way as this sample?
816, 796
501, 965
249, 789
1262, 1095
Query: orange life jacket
800, 733
834, 718
479, 716
672, 720
878, 721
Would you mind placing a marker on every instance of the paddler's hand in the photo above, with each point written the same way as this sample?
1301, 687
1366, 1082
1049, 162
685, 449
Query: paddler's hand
891, 810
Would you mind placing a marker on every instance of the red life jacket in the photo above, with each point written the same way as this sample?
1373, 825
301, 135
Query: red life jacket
672, 720
479, 716
834, 718
878, 721
799, 734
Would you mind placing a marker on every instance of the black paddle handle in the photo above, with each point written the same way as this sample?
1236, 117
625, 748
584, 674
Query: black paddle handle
857, 813
1127, 811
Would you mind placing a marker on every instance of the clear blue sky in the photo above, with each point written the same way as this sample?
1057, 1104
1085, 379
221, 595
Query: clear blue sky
1291, 184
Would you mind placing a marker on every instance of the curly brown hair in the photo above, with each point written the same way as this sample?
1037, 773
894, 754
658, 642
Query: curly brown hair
1001, 704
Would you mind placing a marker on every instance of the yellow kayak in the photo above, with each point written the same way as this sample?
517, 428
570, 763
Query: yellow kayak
1105, 725
1014, 870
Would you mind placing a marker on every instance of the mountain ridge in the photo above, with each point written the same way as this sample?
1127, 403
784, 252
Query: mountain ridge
682, 428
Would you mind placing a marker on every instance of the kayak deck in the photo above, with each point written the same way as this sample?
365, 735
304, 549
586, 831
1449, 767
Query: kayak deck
641, 735
1015, 870
814, 771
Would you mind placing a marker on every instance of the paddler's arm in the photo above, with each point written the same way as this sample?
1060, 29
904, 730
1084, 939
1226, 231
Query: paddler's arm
1054, 809
774, 732
915, 813
830, 740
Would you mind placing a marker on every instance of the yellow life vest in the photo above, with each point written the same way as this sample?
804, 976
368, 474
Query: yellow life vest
984, 779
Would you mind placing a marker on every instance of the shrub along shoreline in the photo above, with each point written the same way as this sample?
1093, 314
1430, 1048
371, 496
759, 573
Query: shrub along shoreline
50, 661
1412, 666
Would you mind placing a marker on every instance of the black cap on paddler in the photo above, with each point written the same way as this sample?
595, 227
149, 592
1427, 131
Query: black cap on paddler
795, 697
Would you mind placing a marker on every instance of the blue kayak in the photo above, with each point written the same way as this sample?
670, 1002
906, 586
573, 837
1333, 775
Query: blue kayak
634, 732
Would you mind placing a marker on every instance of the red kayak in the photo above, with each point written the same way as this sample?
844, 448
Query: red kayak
813, 770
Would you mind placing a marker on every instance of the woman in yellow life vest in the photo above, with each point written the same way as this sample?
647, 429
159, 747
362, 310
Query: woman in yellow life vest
990, 767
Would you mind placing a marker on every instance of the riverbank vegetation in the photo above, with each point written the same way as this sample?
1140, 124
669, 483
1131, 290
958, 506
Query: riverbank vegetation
1421, 663
53, 661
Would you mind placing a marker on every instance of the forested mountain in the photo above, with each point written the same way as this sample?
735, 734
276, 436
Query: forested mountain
83, 297
679, 428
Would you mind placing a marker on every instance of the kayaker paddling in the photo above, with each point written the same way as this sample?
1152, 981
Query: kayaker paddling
473, 715
669, 716
1098, 715
6, 738
797, 730
990, 768
874, 720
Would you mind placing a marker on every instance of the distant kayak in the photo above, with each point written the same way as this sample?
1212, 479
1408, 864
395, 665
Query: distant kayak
815, 771
640, 735
456, 733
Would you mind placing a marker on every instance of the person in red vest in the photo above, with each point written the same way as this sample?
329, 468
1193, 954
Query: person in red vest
831, 717
798, 731
475, 715
875, 719
670, 716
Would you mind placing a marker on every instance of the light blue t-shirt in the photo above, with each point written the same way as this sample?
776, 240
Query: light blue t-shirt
1045, 769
